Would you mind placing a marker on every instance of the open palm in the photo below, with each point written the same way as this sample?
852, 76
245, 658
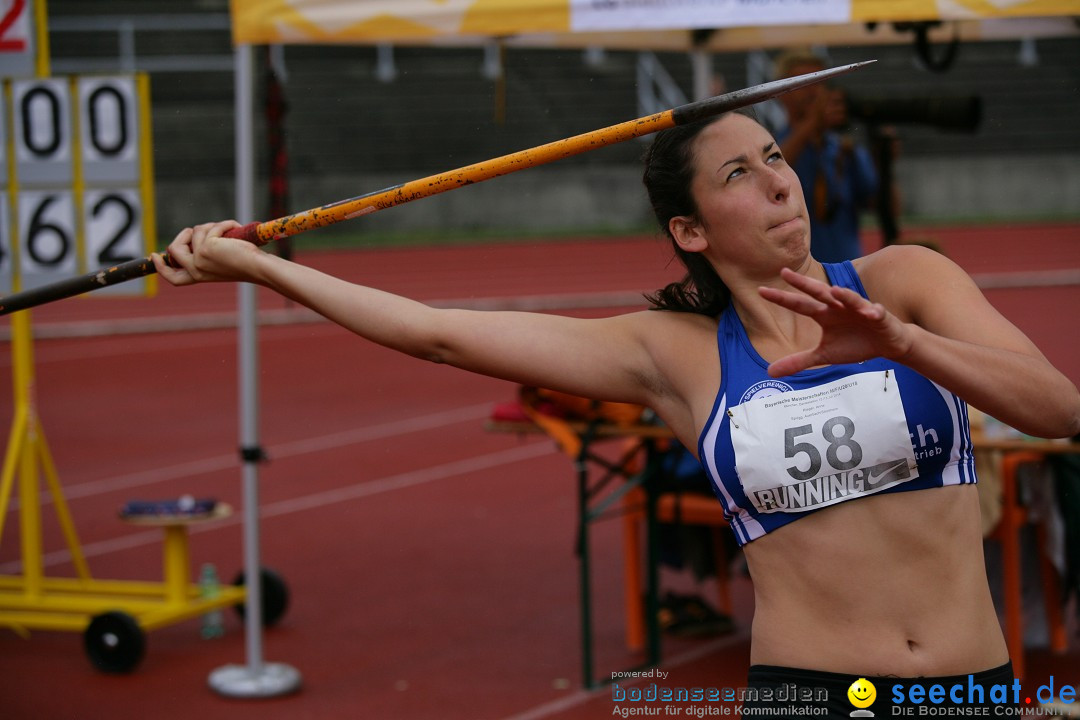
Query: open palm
853, 328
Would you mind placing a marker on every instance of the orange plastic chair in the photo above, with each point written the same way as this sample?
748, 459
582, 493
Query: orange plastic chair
1014, 516
671, 507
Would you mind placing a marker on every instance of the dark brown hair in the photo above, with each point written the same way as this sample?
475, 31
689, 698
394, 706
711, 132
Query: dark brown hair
669, 171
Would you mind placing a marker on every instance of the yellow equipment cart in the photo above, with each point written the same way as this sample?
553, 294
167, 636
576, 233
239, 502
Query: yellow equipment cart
113, 615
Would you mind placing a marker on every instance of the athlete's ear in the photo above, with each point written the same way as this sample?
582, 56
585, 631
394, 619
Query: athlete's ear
688, 233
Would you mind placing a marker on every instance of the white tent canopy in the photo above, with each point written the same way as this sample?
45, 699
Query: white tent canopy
716, 25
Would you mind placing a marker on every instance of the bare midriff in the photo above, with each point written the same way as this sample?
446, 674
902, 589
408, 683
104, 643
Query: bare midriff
887, 585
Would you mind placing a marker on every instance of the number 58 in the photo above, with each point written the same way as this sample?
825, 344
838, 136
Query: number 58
837, 432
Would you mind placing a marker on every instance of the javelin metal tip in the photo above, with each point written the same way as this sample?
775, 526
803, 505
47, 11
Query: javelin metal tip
797, 81
713, 106
852, 66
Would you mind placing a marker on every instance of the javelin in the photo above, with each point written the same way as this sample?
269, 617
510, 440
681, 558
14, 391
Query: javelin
261, 233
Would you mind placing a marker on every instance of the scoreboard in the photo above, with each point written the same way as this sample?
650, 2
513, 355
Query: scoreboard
76, 179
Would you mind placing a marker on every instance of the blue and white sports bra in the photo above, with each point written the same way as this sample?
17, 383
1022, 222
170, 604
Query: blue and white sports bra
776, 449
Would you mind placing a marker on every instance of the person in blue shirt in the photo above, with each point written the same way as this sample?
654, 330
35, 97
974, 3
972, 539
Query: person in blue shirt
838, 175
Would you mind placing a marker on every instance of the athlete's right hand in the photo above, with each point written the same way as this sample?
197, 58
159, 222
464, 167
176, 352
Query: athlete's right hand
201, 254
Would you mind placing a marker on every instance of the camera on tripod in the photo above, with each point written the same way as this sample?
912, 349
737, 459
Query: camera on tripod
947, 112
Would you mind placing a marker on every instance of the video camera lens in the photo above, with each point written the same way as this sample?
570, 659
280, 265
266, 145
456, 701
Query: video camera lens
959, 113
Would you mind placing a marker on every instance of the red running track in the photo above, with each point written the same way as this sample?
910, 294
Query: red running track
431, 563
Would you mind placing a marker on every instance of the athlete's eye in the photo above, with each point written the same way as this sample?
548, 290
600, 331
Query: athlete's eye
735, 173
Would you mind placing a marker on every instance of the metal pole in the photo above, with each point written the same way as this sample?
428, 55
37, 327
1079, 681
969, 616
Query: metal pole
257, 679
702, 70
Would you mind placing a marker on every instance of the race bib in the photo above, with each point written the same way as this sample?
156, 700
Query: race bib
811, 448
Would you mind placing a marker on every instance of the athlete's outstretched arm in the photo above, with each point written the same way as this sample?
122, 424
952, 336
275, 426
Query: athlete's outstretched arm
602, 358
951, 334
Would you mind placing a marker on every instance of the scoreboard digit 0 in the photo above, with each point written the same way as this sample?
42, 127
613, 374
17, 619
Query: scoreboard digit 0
42, 132
108, 129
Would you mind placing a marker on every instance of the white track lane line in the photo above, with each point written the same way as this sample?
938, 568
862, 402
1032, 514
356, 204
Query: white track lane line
283, 450
313, 501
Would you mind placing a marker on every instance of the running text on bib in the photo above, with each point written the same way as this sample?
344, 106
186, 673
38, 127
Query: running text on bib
811, 448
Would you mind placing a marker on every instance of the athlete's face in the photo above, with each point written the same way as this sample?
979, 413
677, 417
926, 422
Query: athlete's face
750, 204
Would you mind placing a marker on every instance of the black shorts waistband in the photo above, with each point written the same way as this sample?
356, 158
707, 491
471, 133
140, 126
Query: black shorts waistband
779, 673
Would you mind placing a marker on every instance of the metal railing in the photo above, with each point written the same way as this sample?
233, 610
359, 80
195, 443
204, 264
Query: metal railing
125, 28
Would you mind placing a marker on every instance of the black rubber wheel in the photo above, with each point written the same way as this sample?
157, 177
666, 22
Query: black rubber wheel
114, 642
275, 596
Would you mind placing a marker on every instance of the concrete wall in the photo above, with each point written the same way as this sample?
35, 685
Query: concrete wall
987, 187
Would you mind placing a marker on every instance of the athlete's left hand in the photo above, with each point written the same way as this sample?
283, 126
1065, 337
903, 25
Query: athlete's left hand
853, 328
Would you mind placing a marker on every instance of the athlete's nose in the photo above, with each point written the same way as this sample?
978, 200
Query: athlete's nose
779, 186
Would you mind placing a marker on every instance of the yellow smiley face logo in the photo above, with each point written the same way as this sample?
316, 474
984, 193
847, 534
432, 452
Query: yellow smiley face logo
862, 693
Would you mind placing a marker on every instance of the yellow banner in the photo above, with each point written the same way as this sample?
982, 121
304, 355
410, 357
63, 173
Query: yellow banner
423, 21
897, 10
349, 21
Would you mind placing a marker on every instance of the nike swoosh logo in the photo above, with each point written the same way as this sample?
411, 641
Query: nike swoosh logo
878, 470
896, 469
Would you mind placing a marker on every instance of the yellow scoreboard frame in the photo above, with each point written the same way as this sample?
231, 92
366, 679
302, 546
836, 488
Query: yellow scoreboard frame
78, 190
